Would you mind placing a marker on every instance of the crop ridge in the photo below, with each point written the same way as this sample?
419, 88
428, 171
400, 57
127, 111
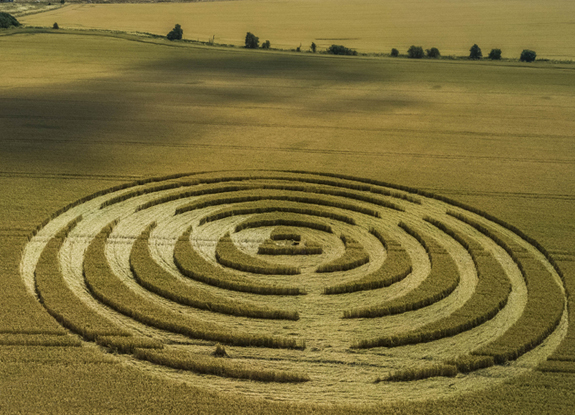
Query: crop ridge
395, 268
193, 266
153, 277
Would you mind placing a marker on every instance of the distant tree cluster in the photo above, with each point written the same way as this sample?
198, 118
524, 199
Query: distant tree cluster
475, 52
495, 54
7, 20
394, 53
341, 50
415, 52
433, 53
176, 33
252, 41
55, 26
266, 44
528, 56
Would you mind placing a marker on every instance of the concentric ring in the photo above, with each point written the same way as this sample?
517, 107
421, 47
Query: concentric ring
319, 287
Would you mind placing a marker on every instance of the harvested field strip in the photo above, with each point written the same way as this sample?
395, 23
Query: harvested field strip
270, 247
228, 254
267, 195
544, 308
192, 265
287, 219
218, 366
442, 281
62, 303
418, 373
107, 288
354, 256
149, 274
122, 344
541, 315
38, 340
396, 267
268, 207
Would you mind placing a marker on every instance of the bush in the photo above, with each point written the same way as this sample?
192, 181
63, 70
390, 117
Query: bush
176, 33
433, 53
528, 55
252, 41
55, 26
475, 52
415, 52
313, 47
266, 44
394, 53
341, 50
495, 54
7, 20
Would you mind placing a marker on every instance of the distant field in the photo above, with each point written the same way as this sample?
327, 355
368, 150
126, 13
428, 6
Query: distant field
80, 113
366, 25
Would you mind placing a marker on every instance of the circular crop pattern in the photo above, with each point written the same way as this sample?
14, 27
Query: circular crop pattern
299, 286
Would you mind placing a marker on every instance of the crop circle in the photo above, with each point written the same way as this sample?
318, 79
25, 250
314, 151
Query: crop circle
315, 287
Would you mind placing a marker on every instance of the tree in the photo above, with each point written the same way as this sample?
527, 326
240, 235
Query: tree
475, 52
528, 55
55, 26
62, 1
176, 33
266, 44
495, 54
415, 52
313, 47
394, 53
252, 41
340, 50
7, 20
433, 53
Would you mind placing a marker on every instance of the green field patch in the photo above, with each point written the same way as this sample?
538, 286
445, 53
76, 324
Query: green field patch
218, 366
396, 267
354, 256
441, 281
194, 266
106, 287
228, 254
149, 274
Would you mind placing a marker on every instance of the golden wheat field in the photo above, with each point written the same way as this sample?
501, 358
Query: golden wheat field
366, 25
201, 229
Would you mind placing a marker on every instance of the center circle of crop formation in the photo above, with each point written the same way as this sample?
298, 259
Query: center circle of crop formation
299, 286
